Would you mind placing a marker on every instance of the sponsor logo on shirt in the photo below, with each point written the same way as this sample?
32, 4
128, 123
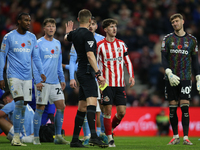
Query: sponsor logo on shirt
114, 59
51, 56
179, 51
22, 50
90, 43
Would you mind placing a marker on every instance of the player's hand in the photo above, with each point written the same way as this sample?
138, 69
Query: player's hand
63, 85
73, 84
173, 79
63, 65
39, 86
69, 26
43, 78
101, 81
198, 83
132, 81
2, 84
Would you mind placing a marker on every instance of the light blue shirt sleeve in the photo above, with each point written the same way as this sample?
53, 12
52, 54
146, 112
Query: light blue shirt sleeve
60, 69
36, 58
3, 52
8, 109
72, 62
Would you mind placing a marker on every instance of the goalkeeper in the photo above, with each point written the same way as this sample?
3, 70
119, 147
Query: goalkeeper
179, 55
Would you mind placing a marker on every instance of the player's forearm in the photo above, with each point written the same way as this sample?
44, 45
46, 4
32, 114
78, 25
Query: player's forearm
2, 64
129, 66
164, 60
72, 64
92, 60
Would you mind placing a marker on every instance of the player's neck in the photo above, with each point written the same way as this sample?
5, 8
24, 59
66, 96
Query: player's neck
110, 39
20, 31
48, 38
84, 25
180, 32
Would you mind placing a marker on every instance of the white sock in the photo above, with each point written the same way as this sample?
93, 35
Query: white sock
27, 139
110, 138
176, 136
185, 137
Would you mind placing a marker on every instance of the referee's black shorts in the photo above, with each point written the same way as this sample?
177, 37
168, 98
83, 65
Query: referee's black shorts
88, 86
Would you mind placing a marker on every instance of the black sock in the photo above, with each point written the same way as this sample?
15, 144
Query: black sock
91, 111
185, 118
173, 118
78, 124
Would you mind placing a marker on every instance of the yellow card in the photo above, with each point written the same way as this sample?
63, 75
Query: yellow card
103, 88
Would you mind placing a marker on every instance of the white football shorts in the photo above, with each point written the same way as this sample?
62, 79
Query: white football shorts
20, 88
50, 92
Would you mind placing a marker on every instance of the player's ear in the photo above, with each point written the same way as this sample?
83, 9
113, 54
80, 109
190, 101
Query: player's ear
90, 20
183, 21
105, 29
78, 19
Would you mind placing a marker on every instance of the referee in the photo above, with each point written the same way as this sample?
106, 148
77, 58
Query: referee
85, 46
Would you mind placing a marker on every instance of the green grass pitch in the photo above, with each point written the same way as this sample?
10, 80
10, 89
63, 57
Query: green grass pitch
122, 143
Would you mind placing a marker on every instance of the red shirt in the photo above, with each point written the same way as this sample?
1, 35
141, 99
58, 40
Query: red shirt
111, 57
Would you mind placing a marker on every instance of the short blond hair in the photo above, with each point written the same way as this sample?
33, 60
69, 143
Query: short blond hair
84, 15
175, 16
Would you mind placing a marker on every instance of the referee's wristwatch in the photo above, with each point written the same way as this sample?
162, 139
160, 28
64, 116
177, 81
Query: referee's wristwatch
97, 74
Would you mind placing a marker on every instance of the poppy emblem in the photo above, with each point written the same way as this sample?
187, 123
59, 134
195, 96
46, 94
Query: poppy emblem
180, 46
52, 51
23, 44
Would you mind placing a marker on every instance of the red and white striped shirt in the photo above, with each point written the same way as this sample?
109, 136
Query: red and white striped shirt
111, 57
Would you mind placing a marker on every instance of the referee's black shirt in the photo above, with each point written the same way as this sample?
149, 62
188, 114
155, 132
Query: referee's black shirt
83, 41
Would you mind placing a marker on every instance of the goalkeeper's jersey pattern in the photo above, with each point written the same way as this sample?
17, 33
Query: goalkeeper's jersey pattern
111, 57
179, 51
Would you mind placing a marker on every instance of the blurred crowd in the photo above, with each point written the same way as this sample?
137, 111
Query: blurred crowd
142, 24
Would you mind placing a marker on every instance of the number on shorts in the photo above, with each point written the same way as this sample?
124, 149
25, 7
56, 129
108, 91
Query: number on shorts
59, 90
186, 90
30, 92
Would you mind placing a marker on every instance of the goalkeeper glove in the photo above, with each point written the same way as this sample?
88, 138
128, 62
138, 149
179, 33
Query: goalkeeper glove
173, 79
198, 83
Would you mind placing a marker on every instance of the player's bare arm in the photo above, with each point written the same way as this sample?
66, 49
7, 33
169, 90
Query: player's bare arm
73, 84
63, 65
93, 63
69, 27
39, 86
2, 84
131, 81
63, 85
43, 78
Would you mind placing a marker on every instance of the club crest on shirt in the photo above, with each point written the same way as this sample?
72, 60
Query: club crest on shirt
119, 49
163, 43
186, 44
106, 99
57, 48
29, 43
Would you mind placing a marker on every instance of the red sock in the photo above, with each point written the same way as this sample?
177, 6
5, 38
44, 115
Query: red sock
107, 125
115, 121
